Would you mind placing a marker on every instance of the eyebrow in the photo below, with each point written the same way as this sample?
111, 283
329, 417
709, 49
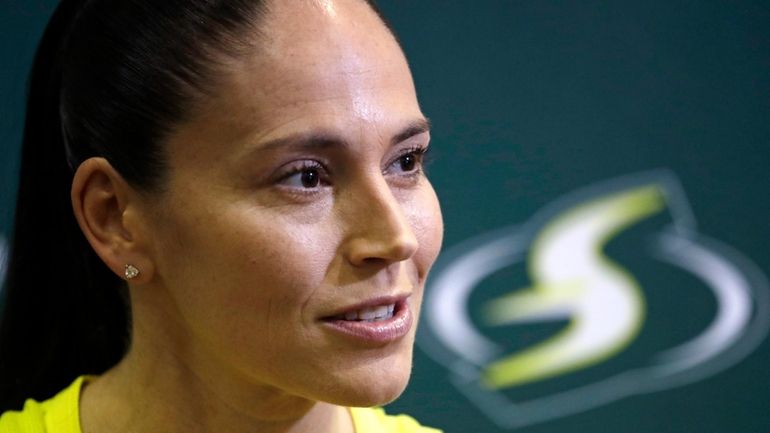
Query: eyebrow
416, 127
319, 139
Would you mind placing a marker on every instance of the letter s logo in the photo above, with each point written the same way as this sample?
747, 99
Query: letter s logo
598, 305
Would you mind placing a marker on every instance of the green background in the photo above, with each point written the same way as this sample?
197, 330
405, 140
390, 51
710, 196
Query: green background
531, 100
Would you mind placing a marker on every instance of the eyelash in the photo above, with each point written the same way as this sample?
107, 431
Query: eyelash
301, 167
419, 153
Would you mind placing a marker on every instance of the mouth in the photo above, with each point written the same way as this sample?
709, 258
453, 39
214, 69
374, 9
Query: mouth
368, 314
377, 321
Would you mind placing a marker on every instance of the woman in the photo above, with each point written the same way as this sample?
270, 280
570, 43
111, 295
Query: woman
250, 173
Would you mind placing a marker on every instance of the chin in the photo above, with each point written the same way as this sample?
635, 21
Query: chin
372, 395
372, 384
380, 395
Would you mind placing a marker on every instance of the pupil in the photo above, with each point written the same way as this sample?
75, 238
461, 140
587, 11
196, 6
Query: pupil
310, 178
407, 162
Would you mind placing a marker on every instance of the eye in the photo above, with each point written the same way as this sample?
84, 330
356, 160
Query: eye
309, 178
408, 163
305, 175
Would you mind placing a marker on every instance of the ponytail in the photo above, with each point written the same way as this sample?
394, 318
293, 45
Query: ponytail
64, 312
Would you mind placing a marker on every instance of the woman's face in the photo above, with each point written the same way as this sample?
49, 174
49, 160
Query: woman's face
296, 210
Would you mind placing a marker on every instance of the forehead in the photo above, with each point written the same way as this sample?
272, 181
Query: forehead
318, 64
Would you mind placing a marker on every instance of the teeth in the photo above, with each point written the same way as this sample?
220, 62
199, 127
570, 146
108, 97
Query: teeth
367, 314
381, 312
372, 314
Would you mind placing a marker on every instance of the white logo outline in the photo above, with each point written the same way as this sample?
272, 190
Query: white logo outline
734, 333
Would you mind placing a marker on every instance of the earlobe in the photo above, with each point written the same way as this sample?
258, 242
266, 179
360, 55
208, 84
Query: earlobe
101, 199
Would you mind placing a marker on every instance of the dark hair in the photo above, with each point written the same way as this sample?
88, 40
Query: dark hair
110, 79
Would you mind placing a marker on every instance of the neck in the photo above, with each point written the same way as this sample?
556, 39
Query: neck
160, 386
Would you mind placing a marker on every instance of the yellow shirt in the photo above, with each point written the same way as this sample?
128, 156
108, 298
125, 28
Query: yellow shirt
61, 414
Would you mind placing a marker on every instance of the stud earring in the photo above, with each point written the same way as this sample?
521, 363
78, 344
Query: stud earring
131, 272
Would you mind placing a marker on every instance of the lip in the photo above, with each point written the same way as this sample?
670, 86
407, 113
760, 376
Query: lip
376, 333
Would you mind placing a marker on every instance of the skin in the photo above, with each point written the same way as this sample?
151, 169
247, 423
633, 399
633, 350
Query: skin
241, 261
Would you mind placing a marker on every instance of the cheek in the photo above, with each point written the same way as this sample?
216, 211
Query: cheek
428, 225
270, 271
239, 276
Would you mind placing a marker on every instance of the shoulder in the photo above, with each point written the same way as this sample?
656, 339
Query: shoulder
28, 420
59, 414
375, 420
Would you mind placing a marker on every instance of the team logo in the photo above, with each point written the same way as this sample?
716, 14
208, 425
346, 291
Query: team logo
606, 293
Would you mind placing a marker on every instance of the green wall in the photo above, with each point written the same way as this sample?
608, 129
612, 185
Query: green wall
533, 102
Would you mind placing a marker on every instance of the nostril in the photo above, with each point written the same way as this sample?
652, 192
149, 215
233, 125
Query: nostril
371, 250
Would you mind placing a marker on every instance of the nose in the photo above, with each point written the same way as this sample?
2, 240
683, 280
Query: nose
379, 232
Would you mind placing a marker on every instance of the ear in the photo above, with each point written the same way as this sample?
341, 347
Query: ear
108, 211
